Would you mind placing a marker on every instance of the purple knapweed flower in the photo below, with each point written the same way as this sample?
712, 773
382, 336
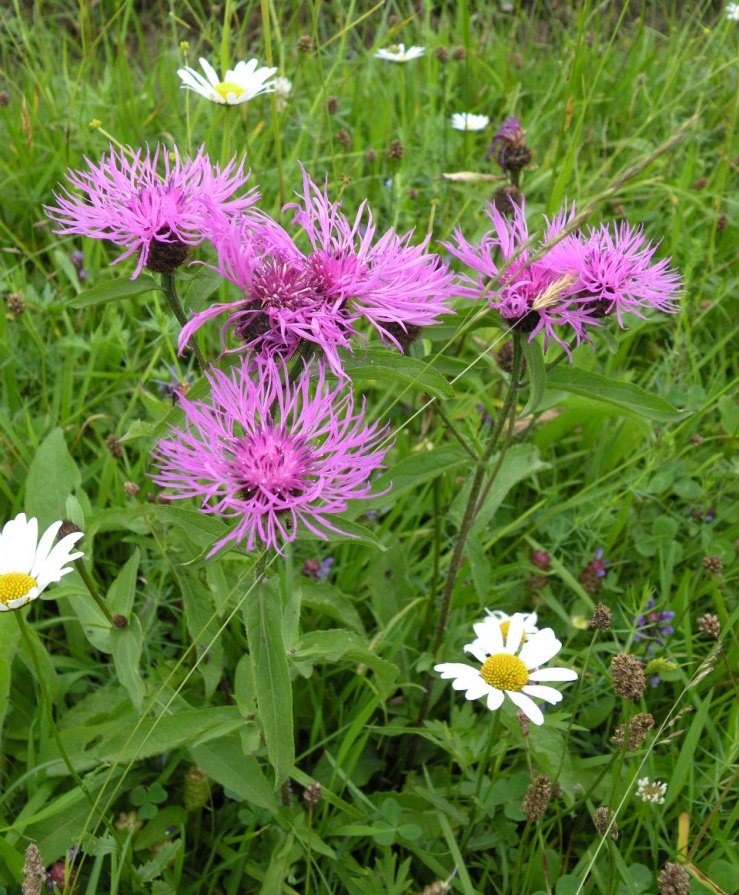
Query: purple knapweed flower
617, 274
321, 297
270, 454
574, 283
509, 136
534, 297
654, 626
159, 217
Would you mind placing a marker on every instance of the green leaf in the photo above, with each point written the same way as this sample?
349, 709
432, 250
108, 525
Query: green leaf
9, 636
536, 372
350, 531
263, 617
122, 591
416, 470
521, 461
138, 429
387, 365
202, 529
155, 867
127, 644
331, 646
52, 477
115, 291
625, 395
224, 760
196, 288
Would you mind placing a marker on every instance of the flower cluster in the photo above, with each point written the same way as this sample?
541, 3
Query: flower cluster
568, 282
511, 652
320, 297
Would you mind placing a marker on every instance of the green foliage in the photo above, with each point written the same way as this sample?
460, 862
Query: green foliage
266, 690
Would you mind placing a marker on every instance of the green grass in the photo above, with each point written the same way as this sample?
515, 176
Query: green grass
598, 89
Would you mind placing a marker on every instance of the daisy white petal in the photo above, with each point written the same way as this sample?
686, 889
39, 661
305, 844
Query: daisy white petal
548, 694
515, 634
477, 650
466, 121
553, 674
527, 706
495, 699
540, 649
210, 72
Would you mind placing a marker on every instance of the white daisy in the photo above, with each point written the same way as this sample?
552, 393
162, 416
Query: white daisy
398, 53
239, 84
504, 620
27, 564
283, 86
510, 667
732, 12
466, 121
283, 89
651, 792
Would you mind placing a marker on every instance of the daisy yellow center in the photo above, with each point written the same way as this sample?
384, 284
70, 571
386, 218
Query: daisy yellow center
14, 585
504, 626
505, 672
226, 87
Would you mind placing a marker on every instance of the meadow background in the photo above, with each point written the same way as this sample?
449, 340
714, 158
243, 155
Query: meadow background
168, 742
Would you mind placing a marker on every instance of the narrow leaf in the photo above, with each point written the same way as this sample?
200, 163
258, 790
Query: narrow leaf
127, 645
263, 617
626, 395
387, 365
115, 291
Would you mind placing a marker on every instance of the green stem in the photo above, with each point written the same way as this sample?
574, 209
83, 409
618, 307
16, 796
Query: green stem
452, 428
170, 291
50, 712
470, 513
575, 706
92, 590
473, 505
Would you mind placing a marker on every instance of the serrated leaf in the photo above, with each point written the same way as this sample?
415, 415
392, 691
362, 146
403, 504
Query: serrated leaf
386, 365
331, 646
138, 429
625, 395
263, 618
154, 868
127, 644
224, 760
115, 291
52, 477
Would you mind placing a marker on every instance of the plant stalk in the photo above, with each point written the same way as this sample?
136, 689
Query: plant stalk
173, 300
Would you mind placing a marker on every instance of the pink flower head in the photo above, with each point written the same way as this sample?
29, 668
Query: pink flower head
618, 275
533, 296
321, 296
573, 284
159, 217
269, 455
